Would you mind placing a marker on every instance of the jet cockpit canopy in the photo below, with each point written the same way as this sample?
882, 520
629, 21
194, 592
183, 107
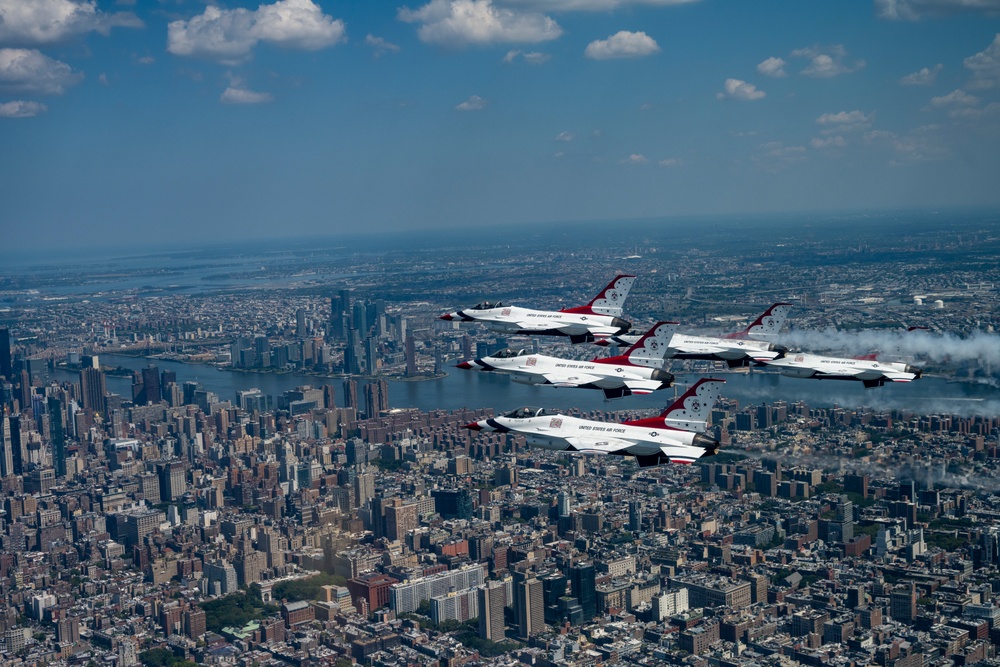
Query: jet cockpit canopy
487, 305
529, 412
508, 353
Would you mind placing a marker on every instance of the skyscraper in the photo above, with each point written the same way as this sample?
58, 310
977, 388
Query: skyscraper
7, 447
584, 586
411, 356
352, 353
492, 599
58, 436
93, 386
6, 367
376, 398
351, 394
530, 607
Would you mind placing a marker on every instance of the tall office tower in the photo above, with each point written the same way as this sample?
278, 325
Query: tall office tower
172, 484
189, 388
371, 355
411, 356
377, 397
6, 366
300, 322
903, 603
584, 586
492, 599
262, 350
466, 347
7, 447
351, 399
329, 396
166, 379
16, 446
364, 488
359, 318
530, 608
352, 354
93, 386
565, 504
150, 385
400, 518
340, 314
635, 516
58, 436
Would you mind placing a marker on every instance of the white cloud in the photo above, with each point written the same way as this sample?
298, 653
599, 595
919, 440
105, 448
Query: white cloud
912, 10
917, 146
565, 136
47, 21
969, 113
31, 71
740, 90
235, 94
985, 66
474, 103
922, 77
531, 57
380, 45
21, 109
670, 162
231, 34
829, 142
775, 156
956, 98
772, 67
146, 60
458, 23
826, 62
622, 44
635, 158
843, 118
591, 5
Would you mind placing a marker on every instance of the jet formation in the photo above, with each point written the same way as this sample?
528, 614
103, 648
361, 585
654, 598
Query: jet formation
677, 435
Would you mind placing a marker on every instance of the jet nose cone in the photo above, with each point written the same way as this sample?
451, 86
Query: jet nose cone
465, 365
474, 426
447, 316
780, 349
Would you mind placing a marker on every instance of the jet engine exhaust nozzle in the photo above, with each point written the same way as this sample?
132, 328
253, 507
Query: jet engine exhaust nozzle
623, 326
780, 349
662, 376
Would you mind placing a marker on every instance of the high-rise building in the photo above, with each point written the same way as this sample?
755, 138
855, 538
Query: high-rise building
371, 355
635, 516
903, 603
583, 580
565, 504
530, 607
8, 443
172, 484
351, 399
6, 365
364, 488
93, 387
352, 353
492, 599
58, 436
400, 518
300, 322
376, 398
411, 356
151, 385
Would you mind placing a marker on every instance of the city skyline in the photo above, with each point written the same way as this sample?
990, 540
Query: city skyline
247, 120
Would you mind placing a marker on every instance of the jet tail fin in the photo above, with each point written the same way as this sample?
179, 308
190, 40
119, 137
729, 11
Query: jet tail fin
768, 325
609, 301
649, 350
690, 412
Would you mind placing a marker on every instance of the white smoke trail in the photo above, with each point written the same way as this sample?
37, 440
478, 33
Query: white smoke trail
939, 348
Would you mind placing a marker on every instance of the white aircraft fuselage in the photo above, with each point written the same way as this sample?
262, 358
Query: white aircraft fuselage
675, 436
870, 372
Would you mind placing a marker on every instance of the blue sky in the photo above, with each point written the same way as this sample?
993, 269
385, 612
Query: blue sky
180, 120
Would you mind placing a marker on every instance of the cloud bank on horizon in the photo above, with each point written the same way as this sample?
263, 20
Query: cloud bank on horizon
787, 107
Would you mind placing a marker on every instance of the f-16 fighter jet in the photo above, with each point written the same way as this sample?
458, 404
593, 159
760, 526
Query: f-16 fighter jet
737, 349
583, 324
867, 369
675, 436
638, 371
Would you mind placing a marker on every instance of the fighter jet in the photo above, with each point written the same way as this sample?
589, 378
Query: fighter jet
737, 349
583, 324
868, 370
638, 371
675, 436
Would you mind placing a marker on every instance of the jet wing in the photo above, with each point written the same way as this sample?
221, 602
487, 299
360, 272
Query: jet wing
569, 379
898, 376
601, 445
643, 386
